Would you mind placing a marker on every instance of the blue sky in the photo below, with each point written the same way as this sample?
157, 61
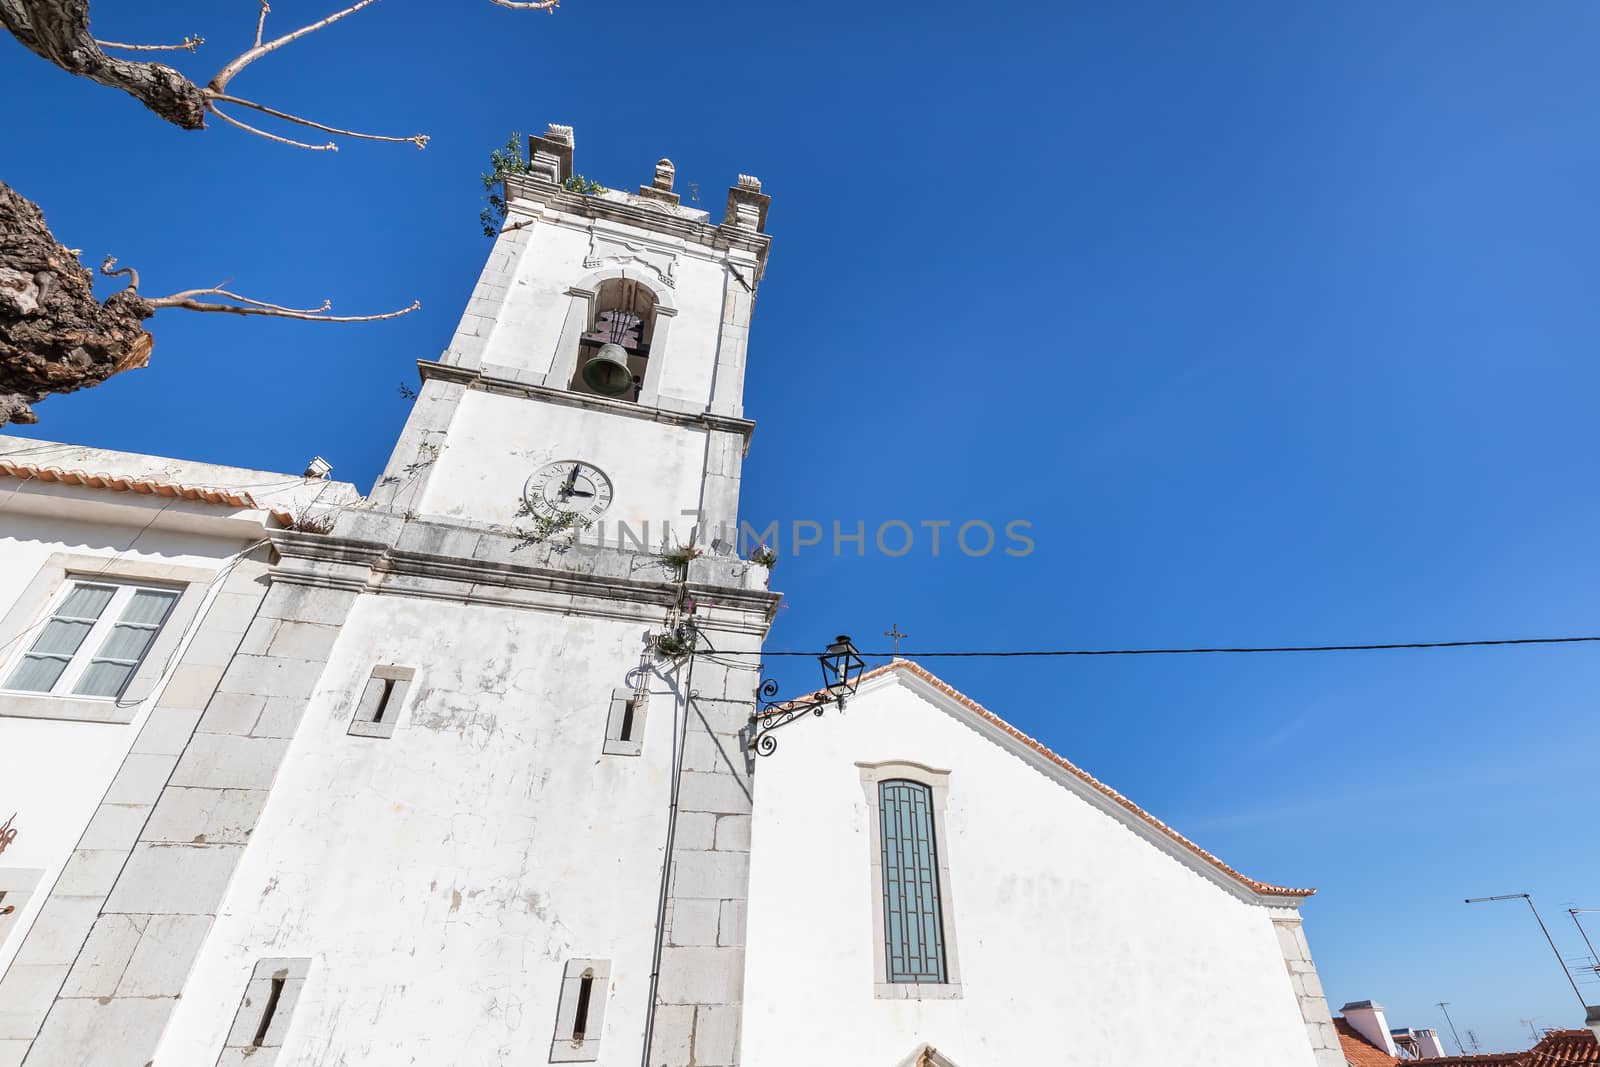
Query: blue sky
1275, 321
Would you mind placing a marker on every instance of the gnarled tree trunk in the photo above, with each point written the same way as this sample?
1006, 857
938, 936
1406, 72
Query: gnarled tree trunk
58, 30
55, 337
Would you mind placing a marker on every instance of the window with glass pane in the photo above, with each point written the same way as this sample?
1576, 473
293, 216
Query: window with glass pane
913, 925
94, 640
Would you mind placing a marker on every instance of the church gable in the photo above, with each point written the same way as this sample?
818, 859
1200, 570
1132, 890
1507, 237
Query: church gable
963, 708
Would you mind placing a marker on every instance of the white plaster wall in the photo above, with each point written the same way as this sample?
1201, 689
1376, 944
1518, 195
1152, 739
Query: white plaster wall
496, 442
545, 261
439, 879
54, 772
1078, 942
691, 356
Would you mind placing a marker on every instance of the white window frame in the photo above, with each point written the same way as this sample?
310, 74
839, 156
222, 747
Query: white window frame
938, 783
94, 641
60, 568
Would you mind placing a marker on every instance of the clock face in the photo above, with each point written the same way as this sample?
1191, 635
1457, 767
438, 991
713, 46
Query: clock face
568, 487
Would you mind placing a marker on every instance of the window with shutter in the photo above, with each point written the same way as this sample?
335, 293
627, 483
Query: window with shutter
93, 640
913, 922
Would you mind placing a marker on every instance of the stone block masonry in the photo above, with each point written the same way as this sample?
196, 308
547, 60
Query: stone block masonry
700, 994
121, 929
1308, 990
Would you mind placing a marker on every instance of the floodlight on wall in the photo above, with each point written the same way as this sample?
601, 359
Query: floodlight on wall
842, 667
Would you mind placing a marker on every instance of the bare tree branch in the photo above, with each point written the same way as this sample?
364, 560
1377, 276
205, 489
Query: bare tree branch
230, 120
133, 275
186, 301
58, 30
219, 83
190, 43
419, 139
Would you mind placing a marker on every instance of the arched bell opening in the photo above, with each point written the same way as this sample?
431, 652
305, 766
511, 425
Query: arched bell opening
614, 352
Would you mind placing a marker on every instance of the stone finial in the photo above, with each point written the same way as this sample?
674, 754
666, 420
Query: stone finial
747, 205
550, 156
660, 189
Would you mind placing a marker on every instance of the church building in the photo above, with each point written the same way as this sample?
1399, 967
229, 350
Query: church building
478, 768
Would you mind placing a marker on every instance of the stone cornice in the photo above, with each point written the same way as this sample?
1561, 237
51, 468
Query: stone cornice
643, 214
474, 378
479, 567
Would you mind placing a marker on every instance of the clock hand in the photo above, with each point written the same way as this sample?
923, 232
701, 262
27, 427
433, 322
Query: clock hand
572, 478
579, 492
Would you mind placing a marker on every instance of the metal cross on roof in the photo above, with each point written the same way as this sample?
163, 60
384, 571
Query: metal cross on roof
893, 632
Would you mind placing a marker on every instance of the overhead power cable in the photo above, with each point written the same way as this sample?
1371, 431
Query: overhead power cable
1394, 646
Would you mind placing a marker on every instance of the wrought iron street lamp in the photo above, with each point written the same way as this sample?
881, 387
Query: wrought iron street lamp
842, 667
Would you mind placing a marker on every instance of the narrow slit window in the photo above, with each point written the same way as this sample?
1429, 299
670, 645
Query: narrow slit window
265, 1011
580, 1020
382, 698
273, 996
580, 1014
625, 723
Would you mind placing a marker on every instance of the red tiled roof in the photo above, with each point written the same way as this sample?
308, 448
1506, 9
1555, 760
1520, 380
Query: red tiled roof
1358, 1051
234, 498
1558, 1048
982, 712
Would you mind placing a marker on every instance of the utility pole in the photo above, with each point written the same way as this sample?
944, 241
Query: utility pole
1564, 969
1444, 1006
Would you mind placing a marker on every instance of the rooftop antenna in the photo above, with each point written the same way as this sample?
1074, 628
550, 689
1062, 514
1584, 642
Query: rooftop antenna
1594, 960
1472, 1039
1444, 1006
1533, 1031
1564, 969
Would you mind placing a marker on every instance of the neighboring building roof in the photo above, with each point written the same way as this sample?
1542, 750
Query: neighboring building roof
147, 486
1558, 1048
918, 671
1358, 1051
282, 497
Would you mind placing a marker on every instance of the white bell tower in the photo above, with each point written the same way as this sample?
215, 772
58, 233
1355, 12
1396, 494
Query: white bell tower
608, 333
508, 708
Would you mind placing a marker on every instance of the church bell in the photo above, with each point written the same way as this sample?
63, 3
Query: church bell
607, 371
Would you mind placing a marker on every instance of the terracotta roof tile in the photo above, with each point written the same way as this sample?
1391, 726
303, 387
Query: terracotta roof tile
967, 702
1558, 1048
234, 498
1358, 1051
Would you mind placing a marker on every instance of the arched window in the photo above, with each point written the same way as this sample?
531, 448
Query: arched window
913, 921
614, 352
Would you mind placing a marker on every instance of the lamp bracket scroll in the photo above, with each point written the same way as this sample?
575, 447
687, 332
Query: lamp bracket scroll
842, 667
